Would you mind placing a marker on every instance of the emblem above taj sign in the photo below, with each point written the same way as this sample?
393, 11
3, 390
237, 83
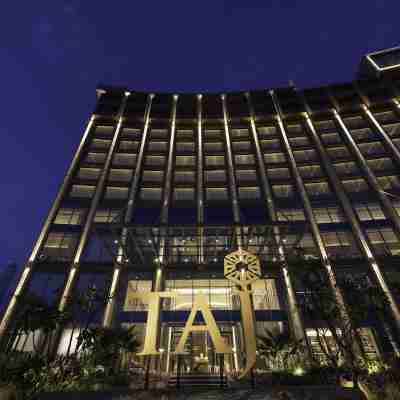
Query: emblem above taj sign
241, 268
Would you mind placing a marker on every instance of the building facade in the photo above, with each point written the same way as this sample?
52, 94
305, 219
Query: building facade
163, 187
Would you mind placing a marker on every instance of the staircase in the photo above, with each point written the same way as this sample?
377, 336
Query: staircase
202, 381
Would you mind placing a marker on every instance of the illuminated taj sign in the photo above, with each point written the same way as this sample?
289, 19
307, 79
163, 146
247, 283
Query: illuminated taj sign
240, 267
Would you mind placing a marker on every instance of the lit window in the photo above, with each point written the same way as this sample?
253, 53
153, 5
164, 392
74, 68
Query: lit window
244, 159
185, 147
369, 149
122, 159
249, 193
355, 185
96, 158
155, 160
104, 130
317, 188
368, 212
215, 176
182, 161
214, 161
82, 191
274, 158
210, 147
380, 164
305, 155
69, 216
89, 173
241, 146
150, 193
310, 171
184, 176
246, 175
362, 134
217, 194
100, 144
267, 130
283, 190
271, 144
157, 146
389, 182
291, 215
128, 145
339, 152
153, 176
120, 175
116, 193
331, 138
278, 173
107, 216
346, 168
328, 215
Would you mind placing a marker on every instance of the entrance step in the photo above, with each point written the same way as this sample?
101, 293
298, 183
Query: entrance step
199, 381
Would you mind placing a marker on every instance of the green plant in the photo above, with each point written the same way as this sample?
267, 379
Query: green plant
279, 349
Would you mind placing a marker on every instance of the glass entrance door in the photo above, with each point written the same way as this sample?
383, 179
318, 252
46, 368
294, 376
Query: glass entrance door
200, 356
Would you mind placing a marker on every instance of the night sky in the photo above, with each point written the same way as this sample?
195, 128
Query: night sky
53, 54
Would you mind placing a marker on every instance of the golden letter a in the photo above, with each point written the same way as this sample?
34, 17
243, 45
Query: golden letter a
200, 304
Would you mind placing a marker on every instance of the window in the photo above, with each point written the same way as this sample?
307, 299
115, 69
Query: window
89, 173
158, 161
331, 138
126, 160
150, 194
241, 146
317, 188
338, 152
271, 144
128, 145
381, 164
213, 147
369, 212
104, 130
274, 158
69, 216
240, 133
267, 130
184, 176
95, 158
346, 168
362, 134
389, 182
100, 144
185, 147
116, 193
247, 175
159, 133
185, 161
386, 117
299, 141
278, 173
249, 193
217, 193
157, 146
183, 194
384, 241
153, 176
354, 122
328, 215
305, 155
60, 246
107, 216
355, 185
215, 176
311, 171
82, 191
120, 175
371, 149
393, 130
291, 215
324, 126
214, 161
244, 159
283, 190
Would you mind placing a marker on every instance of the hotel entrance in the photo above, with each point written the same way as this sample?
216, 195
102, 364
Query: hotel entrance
200, 357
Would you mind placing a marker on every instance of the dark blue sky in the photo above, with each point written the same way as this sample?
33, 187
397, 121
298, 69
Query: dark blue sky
54, 53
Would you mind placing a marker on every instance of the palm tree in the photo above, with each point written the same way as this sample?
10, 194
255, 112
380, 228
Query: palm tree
278, 348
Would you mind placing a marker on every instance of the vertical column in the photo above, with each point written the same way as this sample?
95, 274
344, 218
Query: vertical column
200, 189
93, 206
294, 313
377, 126
29, 266
118, 265
371, 178
309, 213
231, 173
350, 214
